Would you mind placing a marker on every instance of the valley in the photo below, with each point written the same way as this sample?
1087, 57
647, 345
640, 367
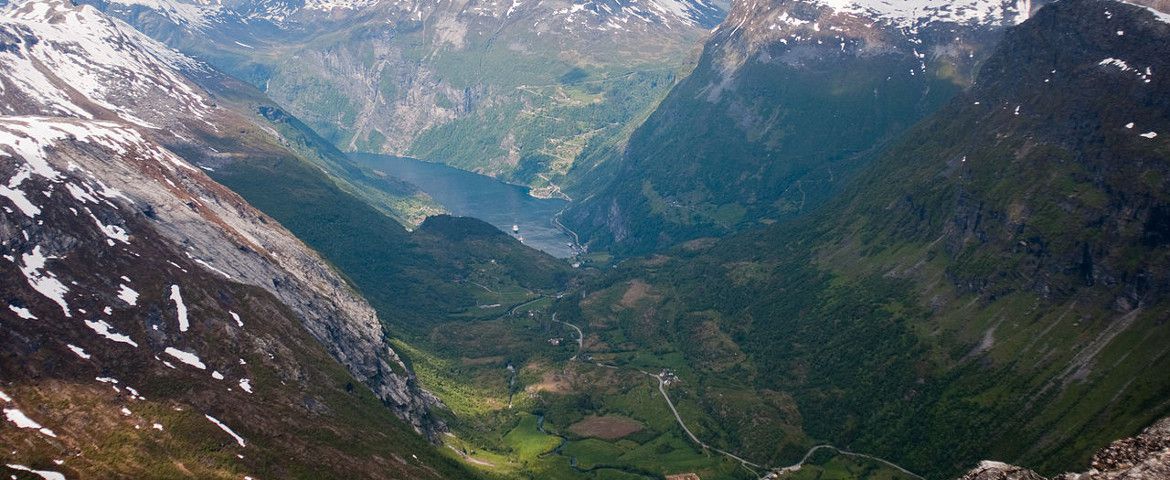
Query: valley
667, 239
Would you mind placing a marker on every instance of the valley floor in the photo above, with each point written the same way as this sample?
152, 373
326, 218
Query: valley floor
538, 397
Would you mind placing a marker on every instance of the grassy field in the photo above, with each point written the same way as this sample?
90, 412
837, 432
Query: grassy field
614, 422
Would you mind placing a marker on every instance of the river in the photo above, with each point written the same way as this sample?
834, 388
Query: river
468, 194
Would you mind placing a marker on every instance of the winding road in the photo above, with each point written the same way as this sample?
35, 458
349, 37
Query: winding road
746, 464
669, 402
580, 336
796, 466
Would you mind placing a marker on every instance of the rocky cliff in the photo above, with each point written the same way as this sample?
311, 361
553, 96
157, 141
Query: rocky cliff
1145, 456
88, 104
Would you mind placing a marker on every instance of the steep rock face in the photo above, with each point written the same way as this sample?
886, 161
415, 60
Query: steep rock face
509, 89
1142, 457
156, 325
75, 77
746, 137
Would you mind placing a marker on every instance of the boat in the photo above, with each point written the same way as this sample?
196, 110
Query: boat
515, 228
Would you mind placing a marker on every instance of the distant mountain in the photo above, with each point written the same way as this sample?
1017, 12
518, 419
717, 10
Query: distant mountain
155, 324
993, 285
514, 89
789, 98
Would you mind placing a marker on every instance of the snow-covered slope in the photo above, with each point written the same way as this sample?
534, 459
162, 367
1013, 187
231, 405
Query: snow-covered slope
915, 13
568, 14
105, 232
75, 61
144, 303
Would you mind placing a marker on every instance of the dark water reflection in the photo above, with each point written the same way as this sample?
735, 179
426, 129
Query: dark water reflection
469, 194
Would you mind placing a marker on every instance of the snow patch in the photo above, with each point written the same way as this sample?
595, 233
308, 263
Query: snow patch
21, 420
45, 474
106, 330
22, 312
185, 357
225, 428
913, 14
127, 295
181, 307
45, 282
79, 351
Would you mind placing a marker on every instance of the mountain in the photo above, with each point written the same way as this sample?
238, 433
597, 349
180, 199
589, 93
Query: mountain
1143, 456
789, 98
157, 324
992, 285
509, 89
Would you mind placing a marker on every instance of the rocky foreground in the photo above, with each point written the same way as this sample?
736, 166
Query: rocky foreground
1143, 457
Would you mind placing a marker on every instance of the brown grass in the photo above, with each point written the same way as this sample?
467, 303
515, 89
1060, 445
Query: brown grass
609, 427
637, 291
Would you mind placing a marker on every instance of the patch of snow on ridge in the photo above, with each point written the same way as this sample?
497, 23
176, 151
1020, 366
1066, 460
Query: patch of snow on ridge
327, 5
79, 351
21, 420
104, 329
22, 312
225, 428
914, 13
44, 282
45, 474
14, 194
177, 297
128, 295
186, 357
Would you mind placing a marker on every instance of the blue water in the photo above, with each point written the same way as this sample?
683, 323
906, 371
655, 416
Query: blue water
469, 194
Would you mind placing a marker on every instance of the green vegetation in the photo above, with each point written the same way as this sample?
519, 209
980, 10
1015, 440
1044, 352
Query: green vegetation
411, 278
982, 288
710, 161
536, 138
981, 291
527, 442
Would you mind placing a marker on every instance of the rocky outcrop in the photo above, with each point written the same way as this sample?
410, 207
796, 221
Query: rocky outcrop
1142, 457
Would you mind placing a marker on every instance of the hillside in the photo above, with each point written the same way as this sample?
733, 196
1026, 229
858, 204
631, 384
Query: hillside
789, 99
509, 89
990, 287
1143, 456
156, 324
